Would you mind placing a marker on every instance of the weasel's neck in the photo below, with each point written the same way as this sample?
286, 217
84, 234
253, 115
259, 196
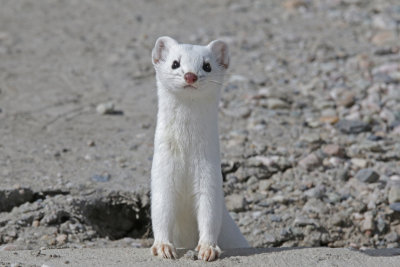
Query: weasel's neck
188, 106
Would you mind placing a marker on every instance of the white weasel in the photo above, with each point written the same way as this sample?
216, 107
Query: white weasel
187, 201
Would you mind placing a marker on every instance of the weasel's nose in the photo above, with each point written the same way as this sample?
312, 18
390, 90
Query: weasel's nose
190, 77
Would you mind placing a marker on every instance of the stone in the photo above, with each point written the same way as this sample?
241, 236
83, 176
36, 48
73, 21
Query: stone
395, 206
35, 223
346, 100
368, 223
62, 238
310, 161
352, 126
383, 37
394, 194
235, 202
276, 103
315, 192
269, 239
314, 205
392, 237
332, 150
105, 177
367, 175
329, 119
190, 255
342, 174
105, 108
265, 185
303, 221
360, 163
294, 4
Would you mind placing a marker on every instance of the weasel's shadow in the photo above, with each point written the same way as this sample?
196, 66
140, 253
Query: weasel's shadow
385, 252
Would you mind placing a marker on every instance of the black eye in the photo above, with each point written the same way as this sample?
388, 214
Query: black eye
175, 65
206, 67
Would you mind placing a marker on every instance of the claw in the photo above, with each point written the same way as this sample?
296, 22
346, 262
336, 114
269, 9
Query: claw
164, 250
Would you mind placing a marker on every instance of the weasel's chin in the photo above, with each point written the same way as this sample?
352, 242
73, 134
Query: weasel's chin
188, 86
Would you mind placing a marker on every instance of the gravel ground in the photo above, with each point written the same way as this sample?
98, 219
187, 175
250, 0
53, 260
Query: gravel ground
309, 121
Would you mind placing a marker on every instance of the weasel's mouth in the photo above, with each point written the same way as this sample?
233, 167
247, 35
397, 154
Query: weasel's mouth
190, 86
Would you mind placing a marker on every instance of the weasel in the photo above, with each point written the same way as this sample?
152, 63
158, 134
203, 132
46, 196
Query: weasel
187, 201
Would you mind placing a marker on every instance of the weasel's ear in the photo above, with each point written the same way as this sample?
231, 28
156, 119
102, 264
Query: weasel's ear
161, 48
221, 51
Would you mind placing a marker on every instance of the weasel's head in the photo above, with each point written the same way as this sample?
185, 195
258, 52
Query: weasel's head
184, 67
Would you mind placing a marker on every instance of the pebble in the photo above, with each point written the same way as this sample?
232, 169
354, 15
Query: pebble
276, 103
367, 175
360, 163
352, 126
310, 161
303, 221
342, 174
395, 206
190, 255
383, 37
394, 193
102, 178
368, 223
62, 238
329, 119
235, 202
346, 100
392, 237
269, 239
333, 150
105, 108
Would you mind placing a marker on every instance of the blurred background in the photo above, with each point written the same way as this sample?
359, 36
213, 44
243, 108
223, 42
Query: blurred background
309, 119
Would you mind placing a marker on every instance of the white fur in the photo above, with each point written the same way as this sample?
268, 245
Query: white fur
187, 206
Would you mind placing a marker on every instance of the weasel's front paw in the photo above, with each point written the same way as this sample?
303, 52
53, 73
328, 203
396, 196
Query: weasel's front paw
208, 252
164, 250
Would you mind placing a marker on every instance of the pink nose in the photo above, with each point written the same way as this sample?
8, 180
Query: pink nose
190, 77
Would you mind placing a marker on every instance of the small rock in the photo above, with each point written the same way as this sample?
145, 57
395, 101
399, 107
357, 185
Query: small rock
381, 225
392, 237
269, 239
235, 202
190, 255
384, 37
394, 194
91, 143
367, 175
314, 205
342, 174
275, 218
303, 221
346, 100
360, 163
62, 238
265, 185
101, 178
315, 192
368, 223
276, 103
310, 161
105, 108
8, 247
35, 223
329, 119
294, 4
353, 126
332, 150
395, 206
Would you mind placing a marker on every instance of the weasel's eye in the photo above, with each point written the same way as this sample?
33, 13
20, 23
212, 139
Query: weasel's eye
175, 65
206, 67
